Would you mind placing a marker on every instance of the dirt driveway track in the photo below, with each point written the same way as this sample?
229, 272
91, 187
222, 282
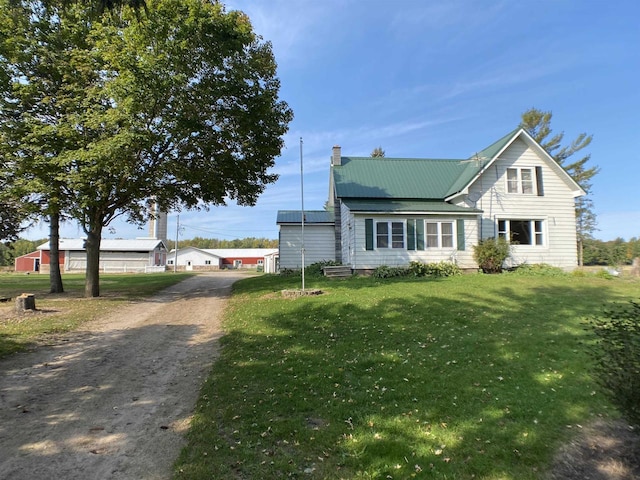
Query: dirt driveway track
112, 401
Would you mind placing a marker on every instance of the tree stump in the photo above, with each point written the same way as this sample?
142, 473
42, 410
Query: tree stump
26, 301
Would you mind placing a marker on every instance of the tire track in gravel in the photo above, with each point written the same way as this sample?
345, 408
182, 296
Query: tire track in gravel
113, 400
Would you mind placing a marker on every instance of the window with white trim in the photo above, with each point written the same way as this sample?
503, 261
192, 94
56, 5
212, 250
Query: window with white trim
522, 231
520, 180
389, 234
439, 234
207, 262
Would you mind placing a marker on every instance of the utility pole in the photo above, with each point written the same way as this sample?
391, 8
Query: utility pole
175, 255
302, 201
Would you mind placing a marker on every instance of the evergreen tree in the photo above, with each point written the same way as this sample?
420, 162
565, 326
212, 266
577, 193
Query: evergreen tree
378, 152
538, 124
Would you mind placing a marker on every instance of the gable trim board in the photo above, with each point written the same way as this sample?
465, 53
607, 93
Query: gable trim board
391, 211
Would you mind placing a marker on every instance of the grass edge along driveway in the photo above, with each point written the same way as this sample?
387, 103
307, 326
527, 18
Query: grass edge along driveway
466, 377
64, 312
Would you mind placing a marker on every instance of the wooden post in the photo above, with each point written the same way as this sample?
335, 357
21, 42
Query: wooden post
26, 301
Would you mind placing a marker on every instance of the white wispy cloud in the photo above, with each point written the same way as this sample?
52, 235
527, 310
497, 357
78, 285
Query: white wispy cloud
289, 26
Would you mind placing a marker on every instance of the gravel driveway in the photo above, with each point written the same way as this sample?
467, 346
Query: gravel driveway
113, 400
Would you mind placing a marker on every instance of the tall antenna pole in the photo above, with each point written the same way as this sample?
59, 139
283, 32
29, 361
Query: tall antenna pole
302, 201
175, 257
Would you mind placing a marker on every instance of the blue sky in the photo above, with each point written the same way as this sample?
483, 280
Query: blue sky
441, 80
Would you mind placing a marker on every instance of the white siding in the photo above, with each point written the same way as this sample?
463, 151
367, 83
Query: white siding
319, 245
110, 261
347, 234
364, 259
194, 258
556, 208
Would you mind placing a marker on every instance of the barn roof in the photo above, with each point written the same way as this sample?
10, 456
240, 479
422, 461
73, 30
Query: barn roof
109, 245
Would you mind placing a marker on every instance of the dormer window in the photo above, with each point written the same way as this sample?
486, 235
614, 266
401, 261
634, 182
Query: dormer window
520, 180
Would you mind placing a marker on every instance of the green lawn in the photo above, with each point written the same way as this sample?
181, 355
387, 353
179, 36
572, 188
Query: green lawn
466, 377
58, 313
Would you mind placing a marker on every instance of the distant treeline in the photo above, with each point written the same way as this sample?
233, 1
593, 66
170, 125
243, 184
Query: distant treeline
613, 252
596, 252
249, 242
9, 251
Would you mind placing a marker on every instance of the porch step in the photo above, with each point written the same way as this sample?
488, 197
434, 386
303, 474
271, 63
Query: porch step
338, 271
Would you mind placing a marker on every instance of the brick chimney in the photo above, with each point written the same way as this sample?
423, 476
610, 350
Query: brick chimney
336, 155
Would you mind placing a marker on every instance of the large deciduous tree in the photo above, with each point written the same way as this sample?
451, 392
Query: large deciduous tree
181, 108
538, 124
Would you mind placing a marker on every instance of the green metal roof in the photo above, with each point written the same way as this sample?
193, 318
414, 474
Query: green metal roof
310, 216
493, 149
394, 206
410, 178
402, 178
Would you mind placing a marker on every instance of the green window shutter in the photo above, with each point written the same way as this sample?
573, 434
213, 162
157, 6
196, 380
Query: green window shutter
539, 181
411, 234
368, 233
460, 229
420, 234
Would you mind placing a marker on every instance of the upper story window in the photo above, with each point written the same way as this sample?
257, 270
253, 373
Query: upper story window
520, 180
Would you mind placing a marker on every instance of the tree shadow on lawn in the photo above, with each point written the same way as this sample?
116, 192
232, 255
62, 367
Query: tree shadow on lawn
486, 384
91, 407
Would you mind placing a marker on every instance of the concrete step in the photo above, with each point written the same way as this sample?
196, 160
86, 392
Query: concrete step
338, 271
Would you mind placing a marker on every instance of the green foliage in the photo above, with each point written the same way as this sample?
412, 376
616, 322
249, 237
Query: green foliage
538, 269
9, 251
385, 271
491, 253
378, 152
12, 215
289, 272
477, 376
99, 114
612, 252
439, 269
616, 356
605, 274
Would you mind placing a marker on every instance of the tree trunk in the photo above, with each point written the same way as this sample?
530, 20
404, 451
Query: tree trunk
55, 278
92, 278
580, 253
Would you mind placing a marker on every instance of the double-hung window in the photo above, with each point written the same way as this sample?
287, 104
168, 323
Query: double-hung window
522, 232
395, 240
520, 180
439, 234
414, 234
